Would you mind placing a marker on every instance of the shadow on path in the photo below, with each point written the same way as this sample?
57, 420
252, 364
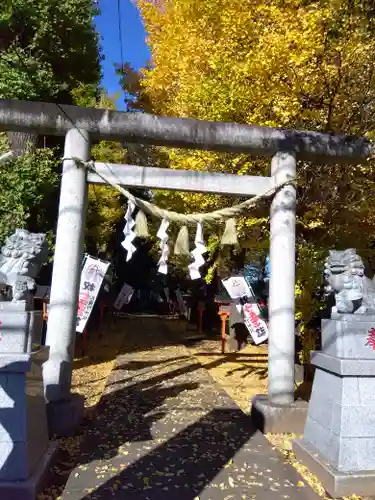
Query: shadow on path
184, 465
165, 430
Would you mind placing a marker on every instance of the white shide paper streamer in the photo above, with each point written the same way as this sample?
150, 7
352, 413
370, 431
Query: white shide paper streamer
163, 245
128, 231
197, 253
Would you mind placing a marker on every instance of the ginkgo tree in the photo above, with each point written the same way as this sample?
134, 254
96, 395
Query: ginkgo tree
301, 64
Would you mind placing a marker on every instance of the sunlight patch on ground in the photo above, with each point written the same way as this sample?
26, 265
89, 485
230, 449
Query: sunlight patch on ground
242, 375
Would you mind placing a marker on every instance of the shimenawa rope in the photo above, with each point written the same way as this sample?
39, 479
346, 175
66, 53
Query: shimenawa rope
161, 213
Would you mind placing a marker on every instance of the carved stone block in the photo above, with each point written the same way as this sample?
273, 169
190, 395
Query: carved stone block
347, 336
23, 419
19, 330
341, 423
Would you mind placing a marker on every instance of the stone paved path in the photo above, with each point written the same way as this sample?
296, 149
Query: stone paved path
165, 430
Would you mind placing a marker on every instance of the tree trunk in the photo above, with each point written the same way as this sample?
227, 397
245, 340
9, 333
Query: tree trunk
21, 141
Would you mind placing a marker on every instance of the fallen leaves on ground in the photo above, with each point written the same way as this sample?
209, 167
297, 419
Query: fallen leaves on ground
243, 375
90, 374
283, 443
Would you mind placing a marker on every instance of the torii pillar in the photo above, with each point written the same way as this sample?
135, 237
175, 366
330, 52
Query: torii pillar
278, 411
64, 409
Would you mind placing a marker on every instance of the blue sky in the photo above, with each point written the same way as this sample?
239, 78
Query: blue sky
134, 45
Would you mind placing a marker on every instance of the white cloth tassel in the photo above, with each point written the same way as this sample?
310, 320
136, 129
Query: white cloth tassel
128, 231
163, 237
197, 253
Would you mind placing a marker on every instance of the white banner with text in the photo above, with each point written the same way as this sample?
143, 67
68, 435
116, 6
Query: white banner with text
92, 275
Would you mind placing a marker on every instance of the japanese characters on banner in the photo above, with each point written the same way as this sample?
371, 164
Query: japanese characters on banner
371, 339
256, 326
92, 276
124, 297
237, 287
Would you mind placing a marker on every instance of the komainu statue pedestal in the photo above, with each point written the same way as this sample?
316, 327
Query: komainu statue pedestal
25, 449
339, 436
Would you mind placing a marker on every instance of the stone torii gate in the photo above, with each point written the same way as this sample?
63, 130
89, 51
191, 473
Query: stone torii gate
80, 126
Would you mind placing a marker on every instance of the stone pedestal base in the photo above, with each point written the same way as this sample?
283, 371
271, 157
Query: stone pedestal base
339, 434
25, 452
64, 417
31, 487
340, 422
20, 327
23, 422
337, 484
345, 336
268, 417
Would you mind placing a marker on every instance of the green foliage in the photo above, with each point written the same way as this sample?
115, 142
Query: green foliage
27, 186
49, 51
310, 263
25, 81
47, 48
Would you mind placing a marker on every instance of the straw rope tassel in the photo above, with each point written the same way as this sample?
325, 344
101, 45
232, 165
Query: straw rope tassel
181, 246
141, 228
230, 233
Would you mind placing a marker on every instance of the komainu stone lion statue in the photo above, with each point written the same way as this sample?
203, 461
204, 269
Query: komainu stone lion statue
21, 258
345, 275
